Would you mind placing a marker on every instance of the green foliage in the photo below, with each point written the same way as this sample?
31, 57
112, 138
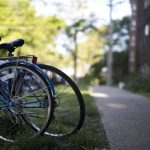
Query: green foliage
120, 68
91, 48
120, 51
121, 34
19, 20
81, 51
90, 53
80, 25
94, 74
120, 65
136, 83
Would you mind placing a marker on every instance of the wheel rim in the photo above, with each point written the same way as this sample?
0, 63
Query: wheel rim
69, 107
28, 117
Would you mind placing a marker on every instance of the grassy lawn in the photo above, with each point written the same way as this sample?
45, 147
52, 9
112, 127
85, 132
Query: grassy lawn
90, 137
144, 94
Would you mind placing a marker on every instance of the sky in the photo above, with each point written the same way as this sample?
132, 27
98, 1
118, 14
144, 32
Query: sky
69, 10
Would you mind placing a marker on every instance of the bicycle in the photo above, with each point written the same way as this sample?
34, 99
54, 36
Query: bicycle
69, 109
26, 97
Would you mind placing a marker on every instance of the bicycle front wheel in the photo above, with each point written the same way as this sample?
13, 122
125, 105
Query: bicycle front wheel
26, 105
69, 111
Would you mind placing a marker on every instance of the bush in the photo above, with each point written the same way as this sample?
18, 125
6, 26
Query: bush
136, 83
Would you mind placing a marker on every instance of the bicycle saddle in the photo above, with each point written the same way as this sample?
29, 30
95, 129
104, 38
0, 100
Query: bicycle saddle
12, 45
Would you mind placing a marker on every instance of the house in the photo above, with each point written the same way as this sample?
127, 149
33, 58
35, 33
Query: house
139, 55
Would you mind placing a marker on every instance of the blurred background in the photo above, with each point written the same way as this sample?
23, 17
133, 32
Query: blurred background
92, 41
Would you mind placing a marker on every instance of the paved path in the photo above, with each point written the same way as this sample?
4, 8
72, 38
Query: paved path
125, 116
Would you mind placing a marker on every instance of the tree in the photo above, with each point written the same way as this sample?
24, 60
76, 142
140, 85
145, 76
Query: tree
72, 33
120, 65
121, 34
20, 20
120, 47
91, 49
81, 26
120, 51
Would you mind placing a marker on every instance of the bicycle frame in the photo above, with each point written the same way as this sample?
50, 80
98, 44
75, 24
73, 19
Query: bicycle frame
8, 103
4, 98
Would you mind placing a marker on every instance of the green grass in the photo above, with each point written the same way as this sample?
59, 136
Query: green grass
90, 137
147, 94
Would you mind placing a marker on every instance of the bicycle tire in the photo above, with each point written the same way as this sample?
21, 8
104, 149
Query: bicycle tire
68, 119
33, 103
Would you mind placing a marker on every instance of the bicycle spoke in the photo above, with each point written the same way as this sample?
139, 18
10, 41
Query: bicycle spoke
28, 104
69, 105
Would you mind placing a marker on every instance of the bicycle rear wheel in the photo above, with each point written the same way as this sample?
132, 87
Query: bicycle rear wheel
27, 105
69, 111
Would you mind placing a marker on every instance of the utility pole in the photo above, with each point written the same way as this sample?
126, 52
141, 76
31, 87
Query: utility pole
110, 42
109, 53
75, 54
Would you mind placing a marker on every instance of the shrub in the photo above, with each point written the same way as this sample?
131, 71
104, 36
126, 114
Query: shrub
136, 83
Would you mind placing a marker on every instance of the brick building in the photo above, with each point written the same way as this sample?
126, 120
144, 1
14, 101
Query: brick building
139, 57
133, 37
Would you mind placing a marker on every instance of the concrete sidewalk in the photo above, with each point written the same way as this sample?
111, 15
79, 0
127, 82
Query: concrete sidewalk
125, 116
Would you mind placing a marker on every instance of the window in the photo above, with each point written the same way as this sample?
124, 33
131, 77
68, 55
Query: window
133, 23
146, 30
134, 7
146, 3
